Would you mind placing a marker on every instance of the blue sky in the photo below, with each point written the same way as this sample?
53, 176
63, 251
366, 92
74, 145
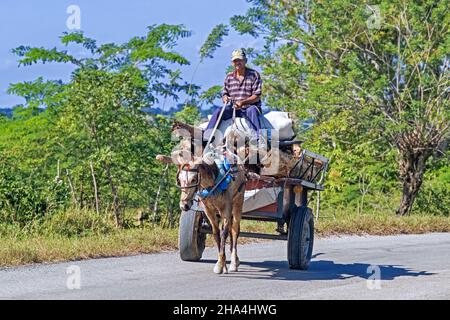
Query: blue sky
40, 23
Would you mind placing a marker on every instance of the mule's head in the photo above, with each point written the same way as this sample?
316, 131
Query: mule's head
188, 180
189, 175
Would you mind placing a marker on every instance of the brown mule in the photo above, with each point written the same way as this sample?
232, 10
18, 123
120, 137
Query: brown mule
199, 175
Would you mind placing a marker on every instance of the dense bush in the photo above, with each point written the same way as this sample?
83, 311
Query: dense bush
435, 195
24, 197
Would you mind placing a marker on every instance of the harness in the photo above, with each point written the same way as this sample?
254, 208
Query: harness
221, 182
224, 176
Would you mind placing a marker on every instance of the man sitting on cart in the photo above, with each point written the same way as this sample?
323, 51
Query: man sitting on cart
243, 88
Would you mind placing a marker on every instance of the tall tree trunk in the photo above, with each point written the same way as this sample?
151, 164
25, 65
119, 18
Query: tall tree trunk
412, 168
72, 190
158, 193
81, 193
115, 193
94, 182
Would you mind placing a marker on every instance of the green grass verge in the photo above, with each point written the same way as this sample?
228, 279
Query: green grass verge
38, 249
83, 235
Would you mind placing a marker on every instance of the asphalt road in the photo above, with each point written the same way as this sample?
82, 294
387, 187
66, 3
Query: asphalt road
409, 266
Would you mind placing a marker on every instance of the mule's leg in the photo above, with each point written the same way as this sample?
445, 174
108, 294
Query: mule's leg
221, 265
221, 262
231, 238
235, 229
225, 213
216, 231
211, 214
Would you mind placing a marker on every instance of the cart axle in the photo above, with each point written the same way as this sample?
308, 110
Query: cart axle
253, 235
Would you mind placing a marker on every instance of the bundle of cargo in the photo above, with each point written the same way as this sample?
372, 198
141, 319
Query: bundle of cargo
293, 162
279, 158
276, 124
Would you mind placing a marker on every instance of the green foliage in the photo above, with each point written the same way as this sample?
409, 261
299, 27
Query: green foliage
151, 47
376, 94
28, 187
31, 56
76, 223
435, 196
211, 94
79, 38
92, 127
213, 41
24, 196
102, 123
190, 114
38, 93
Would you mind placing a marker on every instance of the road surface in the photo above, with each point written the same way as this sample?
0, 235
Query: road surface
408, 266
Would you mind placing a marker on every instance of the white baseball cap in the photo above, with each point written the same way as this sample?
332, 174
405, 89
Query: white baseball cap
238, 54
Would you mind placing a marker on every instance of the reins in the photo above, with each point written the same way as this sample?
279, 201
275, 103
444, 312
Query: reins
217, 182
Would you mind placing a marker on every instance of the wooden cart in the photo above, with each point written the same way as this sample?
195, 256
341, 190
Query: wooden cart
289, 206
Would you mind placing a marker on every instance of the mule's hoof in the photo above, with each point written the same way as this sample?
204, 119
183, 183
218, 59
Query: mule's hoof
218, 269
234, 264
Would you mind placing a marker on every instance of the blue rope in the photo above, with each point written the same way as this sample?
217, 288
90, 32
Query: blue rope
221, 182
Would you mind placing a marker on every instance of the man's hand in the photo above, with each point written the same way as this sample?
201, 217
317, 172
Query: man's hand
225, 99
243, 103
238, 105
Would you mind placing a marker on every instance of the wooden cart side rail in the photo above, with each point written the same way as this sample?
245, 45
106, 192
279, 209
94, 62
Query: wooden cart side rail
310, 165
296, 182
315, 156
278, 182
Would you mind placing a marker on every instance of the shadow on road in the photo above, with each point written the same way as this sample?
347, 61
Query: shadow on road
319, 270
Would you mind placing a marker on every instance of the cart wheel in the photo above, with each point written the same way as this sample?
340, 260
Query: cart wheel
300, 238
190, 240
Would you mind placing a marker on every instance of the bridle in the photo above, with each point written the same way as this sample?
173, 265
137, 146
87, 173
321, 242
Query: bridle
203, 194
181, 168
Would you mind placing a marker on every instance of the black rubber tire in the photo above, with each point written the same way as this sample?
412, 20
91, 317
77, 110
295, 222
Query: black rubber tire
191, 242
300, 238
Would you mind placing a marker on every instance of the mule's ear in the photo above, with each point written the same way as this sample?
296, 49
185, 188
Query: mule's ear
181, 129
164, 159
181, 157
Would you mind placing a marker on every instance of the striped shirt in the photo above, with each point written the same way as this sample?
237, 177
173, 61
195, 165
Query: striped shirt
239, 90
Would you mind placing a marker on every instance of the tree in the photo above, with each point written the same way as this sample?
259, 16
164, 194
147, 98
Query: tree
381, 67
98, 120
211, 44
29, 188
101, 114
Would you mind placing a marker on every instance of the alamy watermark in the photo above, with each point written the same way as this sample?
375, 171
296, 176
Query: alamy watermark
73, 22
374, 280
73, 281
375, 17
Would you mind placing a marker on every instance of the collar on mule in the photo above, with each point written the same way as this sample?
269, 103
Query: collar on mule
221, 182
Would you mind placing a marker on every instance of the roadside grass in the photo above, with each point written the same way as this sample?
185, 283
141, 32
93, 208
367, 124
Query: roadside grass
366, 224
75, 235
382, 225
38, 249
